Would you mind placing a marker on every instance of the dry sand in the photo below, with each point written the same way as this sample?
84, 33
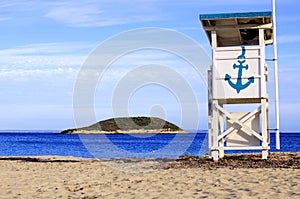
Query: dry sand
186, 177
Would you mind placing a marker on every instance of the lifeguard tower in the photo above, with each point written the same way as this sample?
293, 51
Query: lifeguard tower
238, 77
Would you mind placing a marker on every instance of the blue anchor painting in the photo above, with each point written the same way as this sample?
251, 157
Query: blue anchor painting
238, 86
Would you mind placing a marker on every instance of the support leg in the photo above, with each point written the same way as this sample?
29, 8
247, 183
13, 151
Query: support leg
215, 155
265, 154
215, 131
221, 151
221, 130
264, 129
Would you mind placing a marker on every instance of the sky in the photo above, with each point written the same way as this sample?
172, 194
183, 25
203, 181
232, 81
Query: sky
44, 44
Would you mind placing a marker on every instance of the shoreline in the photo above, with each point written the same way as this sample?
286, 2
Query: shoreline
184, 177
251, 160
126, 132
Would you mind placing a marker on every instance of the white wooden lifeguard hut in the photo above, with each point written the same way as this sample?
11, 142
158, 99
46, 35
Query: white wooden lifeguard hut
238, 77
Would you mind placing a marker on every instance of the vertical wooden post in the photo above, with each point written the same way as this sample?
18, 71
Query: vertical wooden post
264, 129
264, 117
210, 107
215, 115
221, 130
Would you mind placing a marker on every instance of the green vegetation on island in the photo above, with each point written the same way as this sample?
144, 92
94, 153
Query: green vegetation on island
132, 125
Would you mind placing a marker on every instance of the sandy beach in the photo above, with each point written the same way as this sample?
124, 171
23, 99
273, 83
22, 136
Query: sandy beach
185, 177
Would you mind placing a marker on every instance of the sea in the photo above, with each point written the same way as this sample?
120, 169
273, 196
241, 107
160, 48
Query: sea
50, 143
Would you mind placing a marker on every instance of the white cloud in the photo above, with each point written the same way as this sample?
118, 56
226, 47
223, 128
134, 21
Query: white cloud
48, 48
76, 15
44, 56
23, 74
95, 13
4, 18
42, 62
103, 13
12, 3
52, 59
15, 9
89, 13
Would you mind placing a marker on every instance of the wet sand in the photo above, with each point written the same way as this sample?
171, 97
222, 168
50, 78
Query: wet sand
235, 176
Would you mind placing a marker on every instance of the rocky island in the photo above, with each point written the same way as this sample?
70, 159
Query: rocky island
128, 125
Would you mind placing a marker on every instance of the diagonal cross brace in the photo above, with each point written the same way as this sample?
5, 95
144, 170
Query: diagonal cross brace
239, 122
236, 126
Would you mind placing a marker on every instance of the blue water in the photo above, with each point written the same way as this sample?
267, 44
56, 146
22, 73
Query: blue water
116, 145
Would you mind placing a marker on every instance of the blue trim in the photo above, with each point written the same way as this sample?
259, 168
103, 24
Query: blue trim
235, 15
